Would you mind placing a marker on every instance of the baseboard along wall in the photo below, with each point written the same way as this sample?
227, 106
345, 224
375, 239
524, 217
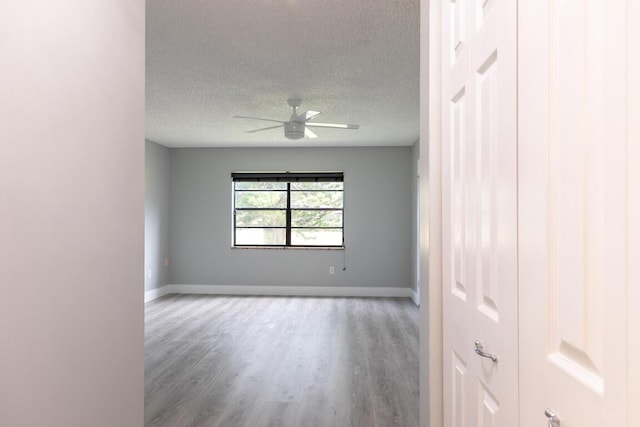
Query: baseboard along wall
315, 291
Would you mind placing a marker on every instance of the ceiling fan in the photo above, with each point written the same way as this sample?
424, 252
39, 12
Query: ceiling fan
298, 125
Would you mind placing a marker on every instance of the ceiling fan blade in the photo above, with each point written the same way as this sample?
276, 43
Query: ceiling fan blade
308, 115
333, 125
267, 128
309, 134
258, 118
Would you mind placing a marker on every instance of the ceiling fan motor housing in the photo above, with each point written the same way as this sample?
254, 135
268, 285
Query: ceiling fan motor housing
294, 130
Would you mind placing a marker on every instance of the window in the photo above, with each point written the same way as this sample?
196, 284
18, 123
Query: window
297, 209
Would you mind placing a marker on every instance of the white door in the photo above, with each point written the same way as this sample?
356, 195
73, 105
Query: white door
479, 212
572, 204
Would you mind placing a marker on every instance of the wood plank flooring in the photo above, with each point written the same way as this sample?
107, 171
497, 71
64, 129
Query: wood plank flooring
280, 361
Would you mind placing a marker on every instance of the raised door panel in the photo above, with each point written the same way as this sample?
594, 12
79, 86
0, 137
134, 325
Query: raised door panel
571, 216
575, 283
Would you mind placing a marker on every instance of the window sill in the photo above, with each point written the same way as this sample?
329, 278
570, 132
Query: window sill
290, 248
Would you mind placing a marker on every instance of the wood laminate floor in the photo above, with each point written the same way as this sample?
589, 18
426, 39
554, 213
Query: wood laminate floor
281, 361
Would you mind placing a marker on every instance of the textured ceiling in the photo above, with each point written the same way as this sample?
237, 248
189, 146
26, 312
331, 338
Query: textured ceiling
356, 61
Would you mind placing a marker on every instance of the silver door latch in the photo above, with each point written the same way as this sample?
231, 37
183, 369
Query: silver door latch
478, 349
554, 421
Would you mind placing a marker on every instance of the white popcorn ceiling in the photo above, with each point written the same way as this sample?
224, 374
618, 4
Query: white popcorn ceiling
356, 61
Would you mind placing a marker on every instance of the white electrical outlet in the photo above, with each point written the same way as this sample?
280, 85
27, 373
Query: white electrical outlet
149, 274
331, 270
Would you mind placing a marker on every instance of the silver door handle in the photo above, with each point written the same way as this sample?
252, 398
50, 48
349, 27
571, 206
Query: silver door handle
554, 421
478, 349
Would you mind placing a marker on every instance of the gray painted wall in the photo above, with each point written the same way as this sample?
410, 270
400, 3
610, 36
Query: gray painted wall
71, 213
378, 218
156, 215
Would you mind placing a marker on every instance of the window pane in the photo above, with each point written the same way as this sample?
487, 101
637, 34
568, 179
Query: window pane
316, 237
260, 236
261, 199
316, 218
261, 219
317, 186
316, 199
250, 185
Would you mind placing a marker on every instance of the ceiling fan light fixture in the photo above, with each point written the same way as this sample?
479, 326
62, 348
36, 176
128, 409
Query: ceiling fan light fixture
294, 130
296, 127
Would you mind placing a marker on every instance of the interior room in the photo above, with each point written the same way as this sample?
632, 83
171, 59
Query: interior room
286, 212
282, 88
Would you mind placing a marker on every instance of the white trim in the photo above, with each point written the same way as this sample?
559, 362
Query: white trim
319, 291
415, 297
431, 105
152, 294
633, 212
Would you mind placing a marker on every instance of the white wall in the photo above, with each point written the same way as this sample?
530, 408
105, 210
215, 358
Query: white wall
71, 213
156, 216
378, 218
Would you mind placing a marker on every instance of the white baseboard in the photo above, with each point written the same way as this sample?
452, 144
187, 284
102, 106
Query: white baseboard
152, 294
318, 291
